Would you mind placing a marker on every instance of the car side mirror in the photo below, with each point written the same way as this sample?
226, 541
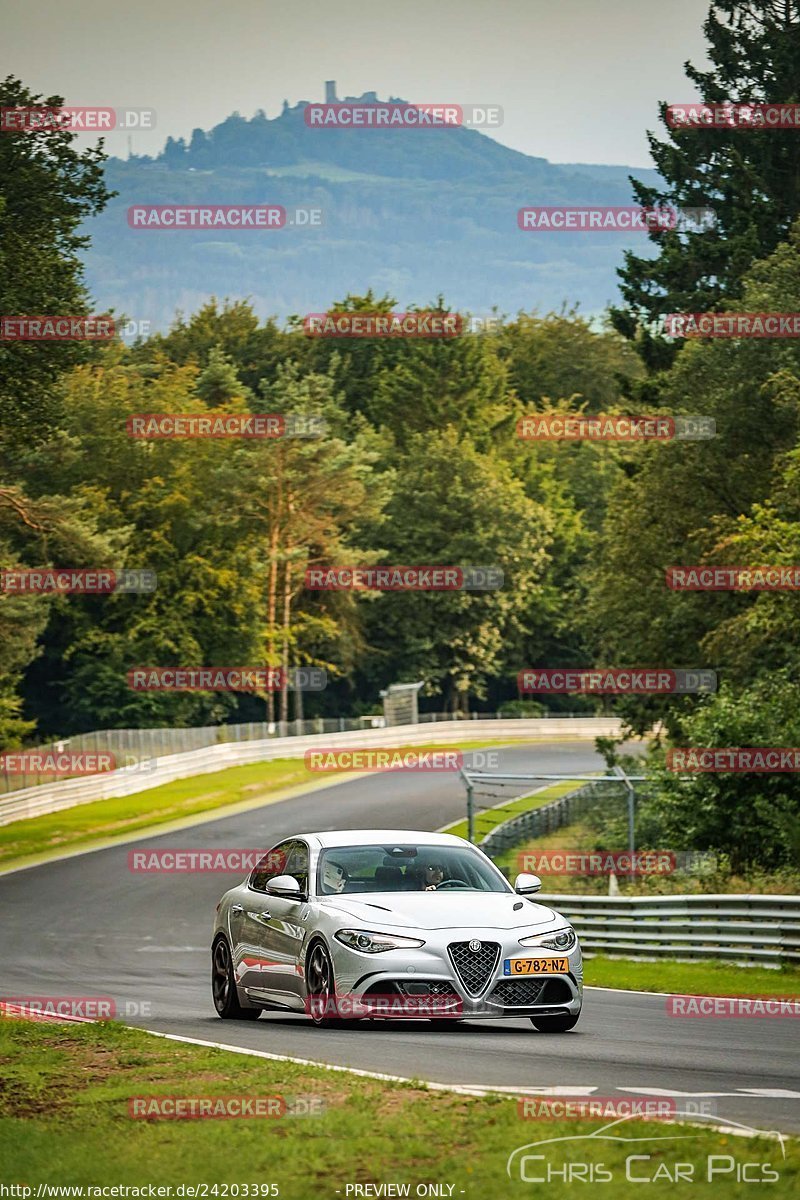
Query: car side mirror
526, 885
286, 886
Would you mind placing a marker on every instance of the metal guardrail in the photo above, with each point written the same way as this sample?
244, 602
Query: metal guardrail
52, 797
744, 929
133, 745
735, 928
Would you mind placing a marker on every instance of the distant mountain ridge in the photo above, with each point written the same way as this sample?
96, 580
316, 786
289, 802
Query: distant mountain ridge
412, 212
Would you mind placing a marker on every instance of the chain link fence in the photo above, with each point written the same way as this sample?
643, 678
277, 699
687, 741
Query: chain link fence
537, 822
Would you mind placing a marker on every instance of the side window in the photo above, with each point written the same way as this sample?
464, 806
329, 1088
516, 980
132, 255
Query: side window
297, 865
271, 865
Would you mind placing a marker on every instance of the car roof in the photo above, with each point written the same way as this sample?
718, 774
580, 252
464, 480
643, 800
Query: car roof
369, 837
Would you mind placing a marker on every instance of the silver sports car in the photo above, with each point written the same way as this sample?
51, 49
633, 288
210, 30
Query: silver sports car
392, 923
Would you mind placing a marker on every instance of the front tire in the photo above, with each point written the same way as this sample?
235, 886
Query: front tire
560, 1024
223, 986
321, 987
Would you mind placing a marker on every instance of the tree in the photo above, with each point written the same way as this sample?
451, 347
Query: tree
47, 190
219, 383
750, 817
453, 506
561, 355
301, 502
685, 500
160, 505
749, 177
233, 328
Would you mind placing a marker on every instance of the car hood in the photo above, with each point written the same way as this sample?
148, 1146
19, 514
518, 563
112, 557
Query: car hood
442, 910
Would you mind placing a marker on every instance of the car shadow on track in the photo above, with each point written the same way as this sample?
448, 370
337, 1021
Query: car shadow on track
385, 1027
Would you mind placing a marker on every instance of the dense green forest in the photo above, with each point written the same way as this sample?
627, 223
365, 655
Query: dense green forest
421, 464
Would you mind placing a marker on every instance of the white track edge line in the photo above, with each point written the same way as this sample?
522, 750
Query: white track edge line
459, 1089
310, 1062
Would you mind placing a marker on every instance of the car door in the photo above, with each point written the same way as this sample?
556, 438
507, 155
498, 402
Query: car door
250, 924
278, 929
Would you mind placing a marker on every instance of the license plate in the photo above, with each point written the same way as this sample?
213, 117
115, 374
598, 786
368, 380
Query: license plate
536, 966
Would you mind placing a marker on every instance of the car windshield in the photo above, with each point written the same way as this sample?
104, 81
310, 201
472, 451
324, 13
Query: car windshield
405, 868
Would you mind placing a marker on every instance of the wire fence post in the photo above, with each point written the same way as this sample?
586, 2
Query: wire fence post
470, 814
631, 815
470, 805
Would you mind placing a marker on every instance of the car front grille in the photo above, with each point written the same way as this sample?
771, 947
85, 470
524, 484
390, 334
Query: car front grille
526, 993
474, 967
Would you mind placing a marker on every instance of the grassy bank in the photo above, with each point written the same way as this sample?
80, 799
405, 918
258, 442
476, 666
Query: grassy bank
695, 978
65, 1120
103, 821
488, 819
582, 835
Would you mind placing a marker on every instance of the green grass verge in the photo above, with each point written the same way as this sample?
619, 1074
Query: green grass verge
489, 818
104, 820
695, 978
107, 819
582, 835
64, 1120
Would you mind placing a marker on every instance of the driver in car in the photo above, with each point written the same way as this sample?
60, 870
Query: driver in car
334, 877
434, 874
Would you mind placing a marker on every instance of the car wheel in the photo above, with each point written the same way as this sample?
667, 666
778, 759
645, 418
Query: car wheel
223, 986
321, 987
559, 1024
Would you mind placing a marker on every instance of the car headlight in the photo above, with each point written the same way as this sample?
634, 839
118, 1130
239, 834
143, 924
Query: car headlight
369, 942
562, 939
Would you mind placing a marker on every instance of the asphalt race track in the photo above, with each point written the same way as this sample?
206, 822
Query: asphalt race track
88, 926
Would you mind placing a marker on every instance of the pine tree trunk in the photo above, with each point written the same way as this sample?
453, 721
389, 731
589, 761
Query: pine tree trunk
287, 607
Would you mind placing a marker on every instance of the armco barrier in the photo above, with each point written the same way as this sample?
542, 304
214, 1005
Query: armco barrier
52, 797
744, 929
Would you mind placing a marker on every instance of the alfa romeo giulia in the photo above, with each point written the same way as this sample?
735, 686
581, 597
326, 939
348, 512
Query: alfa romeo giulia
376, 923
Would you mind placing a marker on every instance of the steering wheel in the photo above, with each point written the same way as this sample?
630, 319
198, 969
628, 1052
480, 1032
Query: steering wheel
449, 883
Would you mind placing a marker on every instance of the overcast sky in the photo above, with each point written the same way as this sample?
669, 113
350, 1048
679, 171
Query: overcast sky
579, 80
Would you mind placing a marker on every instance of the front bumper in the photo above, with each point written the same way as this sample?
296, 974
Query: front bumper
429, 972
